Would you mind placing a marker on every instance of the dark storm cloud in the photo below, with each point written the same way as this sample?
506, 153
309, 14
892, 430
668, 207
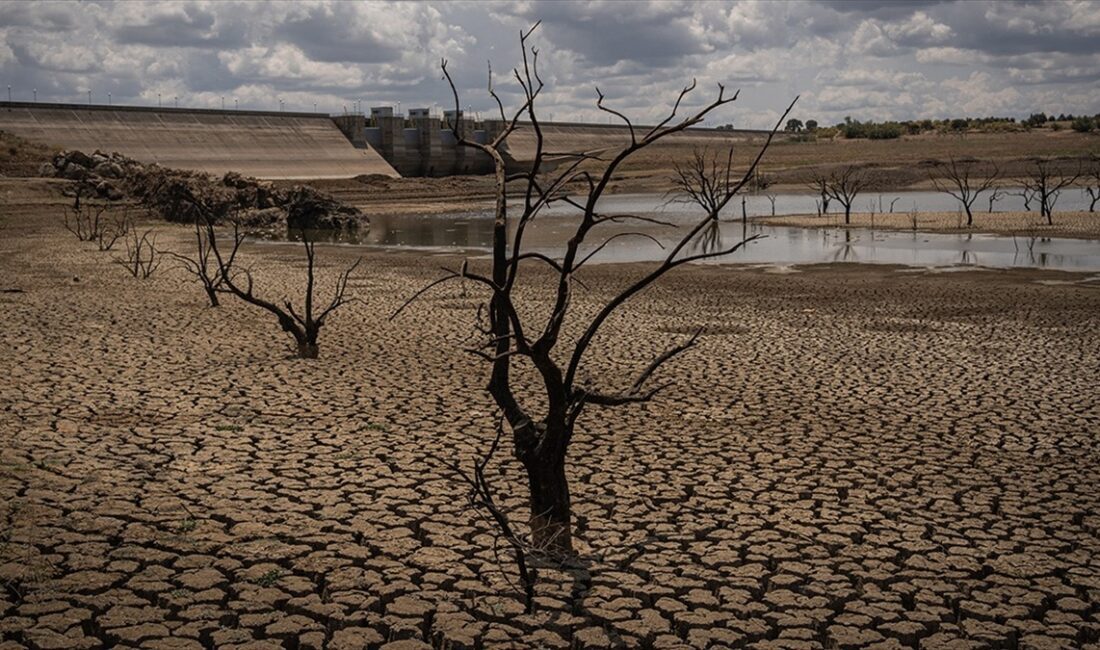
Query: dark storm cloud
605, 33
1022, 28
881, 8
190, 26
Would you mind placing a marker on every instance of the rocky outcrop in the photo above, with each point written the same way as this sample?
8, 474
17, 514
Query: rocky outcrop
177, 194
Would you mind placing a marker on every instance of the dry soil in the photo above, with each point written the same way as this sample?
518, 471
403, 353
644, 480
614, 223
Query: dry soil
854, 457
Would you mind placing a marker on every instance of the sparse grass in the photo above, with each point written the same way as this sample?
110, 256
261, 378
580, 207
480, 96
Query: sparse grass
375, 426
187, 525
269, 578
228, 427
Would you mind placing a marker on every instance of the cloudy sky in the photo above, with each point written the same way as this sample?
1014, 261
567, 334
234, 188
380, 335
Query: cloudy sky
869, 60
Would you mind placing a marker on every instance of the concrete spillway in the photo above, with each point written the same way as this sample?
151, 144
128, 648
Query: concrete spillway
260, 144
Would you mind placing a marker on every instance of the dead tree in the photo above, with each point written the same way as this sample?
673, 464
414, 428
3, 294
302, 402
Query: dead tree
844, 185
1046, 184
1027, 193
957, 179
701, 182
86, 220
141, 259
820, 183
1092, 184
96, 222
304, 327
202, 264
541, 440
118, 226
995, 195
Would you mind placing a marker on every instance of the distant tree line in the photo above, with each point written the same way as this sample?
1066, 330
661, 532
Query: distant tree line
889, 130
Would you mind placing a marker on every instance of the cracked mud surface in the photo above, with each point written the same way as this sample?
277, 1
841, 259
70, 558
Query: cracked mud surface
854, 457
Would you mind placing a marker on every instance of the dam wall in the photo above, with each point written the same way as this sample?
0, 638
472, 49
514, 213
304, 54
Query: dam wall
291, 145
595, 138
424, 145
263, 144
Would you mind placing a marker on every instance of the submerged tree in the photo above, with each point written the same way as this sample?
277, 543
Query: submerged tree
956, 177
1092, 184
844, 185
819, 183
1046, 183
541, 433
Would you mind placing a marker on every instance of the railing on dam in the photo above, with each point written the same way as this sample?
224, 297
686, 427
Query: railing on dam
8, 106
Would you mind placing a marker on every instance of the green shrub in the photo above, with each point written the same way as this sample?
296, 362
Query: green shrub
1083, 124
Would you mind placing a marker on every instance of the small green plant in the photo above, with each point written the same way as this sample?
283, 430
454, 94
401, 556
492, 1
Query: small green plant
228, 427
187, 525
269, 578
374, 426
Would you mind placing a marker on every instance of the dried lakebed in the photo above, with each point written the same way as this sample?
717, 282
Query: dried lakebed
853, 458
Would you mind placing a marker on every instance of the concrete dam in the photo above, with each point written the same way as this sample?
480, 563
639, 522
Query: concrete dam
290, 145
420, 144
255, 143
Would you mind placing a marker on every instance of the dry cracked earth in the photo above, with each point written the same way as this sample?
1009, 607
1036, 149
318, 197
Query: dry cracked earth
854, 457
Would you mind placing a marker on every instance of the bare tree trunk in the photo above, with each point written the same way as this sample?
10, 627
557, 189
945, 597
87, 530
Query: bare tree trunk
212, 295
551, 510
969, 216
847, 214
307, 350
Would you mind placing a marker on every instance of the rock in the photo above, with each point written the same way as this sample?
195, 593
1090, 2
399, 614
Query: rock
184, 196
78, 158
106, 190
74, 172
108, 169
308, 208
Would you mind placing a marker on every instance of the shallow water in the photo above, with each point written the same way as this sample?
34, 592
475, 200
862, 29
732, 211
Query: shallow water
471, 232
758, 205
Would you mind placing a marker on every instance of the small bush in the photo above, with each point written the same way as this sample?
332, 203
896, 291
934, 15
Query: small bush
1083, 124
870, 130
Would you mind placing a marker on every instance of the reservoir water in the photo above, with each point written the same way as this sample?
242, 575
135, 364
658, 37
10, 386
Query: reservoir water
471, 233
